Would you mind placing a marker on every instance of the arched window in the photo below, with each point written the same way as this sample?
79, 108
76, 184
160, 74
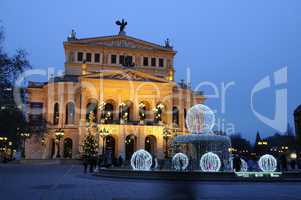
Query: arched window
110, 148
91, 107
56, 114
125, 111
175, 115
108, 112
130, 146
159, 112
144, 110
70, 113
150, 144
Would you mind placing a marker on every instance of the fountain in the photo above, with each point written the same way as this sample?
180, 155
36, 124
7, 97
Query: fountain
201, 140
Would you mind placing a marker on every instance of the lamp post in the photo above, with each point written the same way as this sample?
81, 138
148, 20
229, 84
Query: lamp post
59, 134
103, 133
24, 136
166, 135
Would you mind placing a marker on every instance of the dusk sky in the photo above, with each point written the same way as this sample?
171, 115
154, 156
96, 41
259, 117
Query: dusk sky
219, 41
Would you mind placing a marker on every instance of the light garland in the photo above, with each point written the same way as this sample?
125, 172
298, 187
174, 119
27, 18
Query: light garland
267, 163
141, 160
210, 162
180, 161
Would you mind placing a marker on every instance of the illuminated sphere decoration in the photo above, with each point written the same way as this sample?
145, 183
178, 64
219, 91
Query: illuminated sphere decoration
141, 160
210, 162
267, 163
180, 161
200, 119
243, 167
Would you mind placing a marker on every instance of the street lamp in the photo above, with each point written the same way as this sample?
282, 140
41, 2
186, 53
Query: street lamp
103, 133
24, 136
59, 134
166, 135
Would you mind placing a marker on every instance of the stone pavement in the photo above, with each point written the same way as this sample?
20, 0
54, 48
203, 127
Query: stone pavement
67, 182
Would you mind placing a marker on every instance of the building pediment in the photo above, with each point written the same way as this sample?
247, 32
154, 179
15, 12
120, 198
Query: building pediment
120, 41
126, 74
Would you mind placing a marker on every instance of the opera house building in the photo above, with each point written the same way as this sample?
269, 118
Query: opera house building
120, 89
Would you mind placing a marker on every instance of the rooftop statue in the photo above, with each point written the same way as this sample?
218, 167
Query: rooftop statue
121, 25
72, 35
167, 44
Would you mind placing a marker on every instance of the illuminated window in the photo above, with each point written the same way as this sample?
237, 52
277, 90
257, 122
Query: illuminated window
70, 113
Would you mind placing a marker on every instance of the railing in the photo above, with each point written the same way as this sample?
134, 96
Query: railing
133, 122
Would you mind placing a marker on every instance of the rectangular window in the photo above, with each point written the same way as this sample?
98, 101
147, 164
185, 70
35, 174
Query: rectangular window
121, 60
161, 62
153, 62
113, 59
97, 58
88, 57
145, 61
36, 113
80, 56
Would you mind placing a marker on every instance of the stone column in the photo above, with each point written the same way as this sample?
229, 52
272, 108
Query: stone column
160, 143
82, 121
121, 141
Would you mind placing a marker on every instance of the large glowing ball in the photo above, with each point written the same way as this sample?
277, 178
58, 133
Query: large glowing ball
200, 119
141, 160
243, 166
210, 162
180, 161
267, 163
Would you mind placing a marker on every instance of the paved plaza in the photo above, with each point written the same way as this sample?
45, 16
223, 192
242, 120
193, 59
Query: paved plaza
41, 182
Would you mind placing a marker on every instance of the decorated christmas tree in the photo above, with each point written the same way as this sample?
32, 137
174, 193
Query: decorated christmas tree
90, 146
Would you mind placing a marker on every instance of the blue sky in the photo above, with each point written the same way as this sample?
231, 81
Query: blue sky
220, 41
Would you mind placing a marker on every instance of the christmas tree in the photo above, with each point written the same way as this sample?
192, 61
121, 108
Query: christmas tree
90, 146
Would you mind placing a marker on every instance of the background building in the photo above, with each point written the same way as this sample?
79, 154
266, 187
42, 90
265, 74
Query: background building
297, 117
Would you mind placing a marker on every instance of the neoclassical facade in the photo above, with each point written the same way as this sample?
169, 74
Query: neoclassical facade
127, 83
